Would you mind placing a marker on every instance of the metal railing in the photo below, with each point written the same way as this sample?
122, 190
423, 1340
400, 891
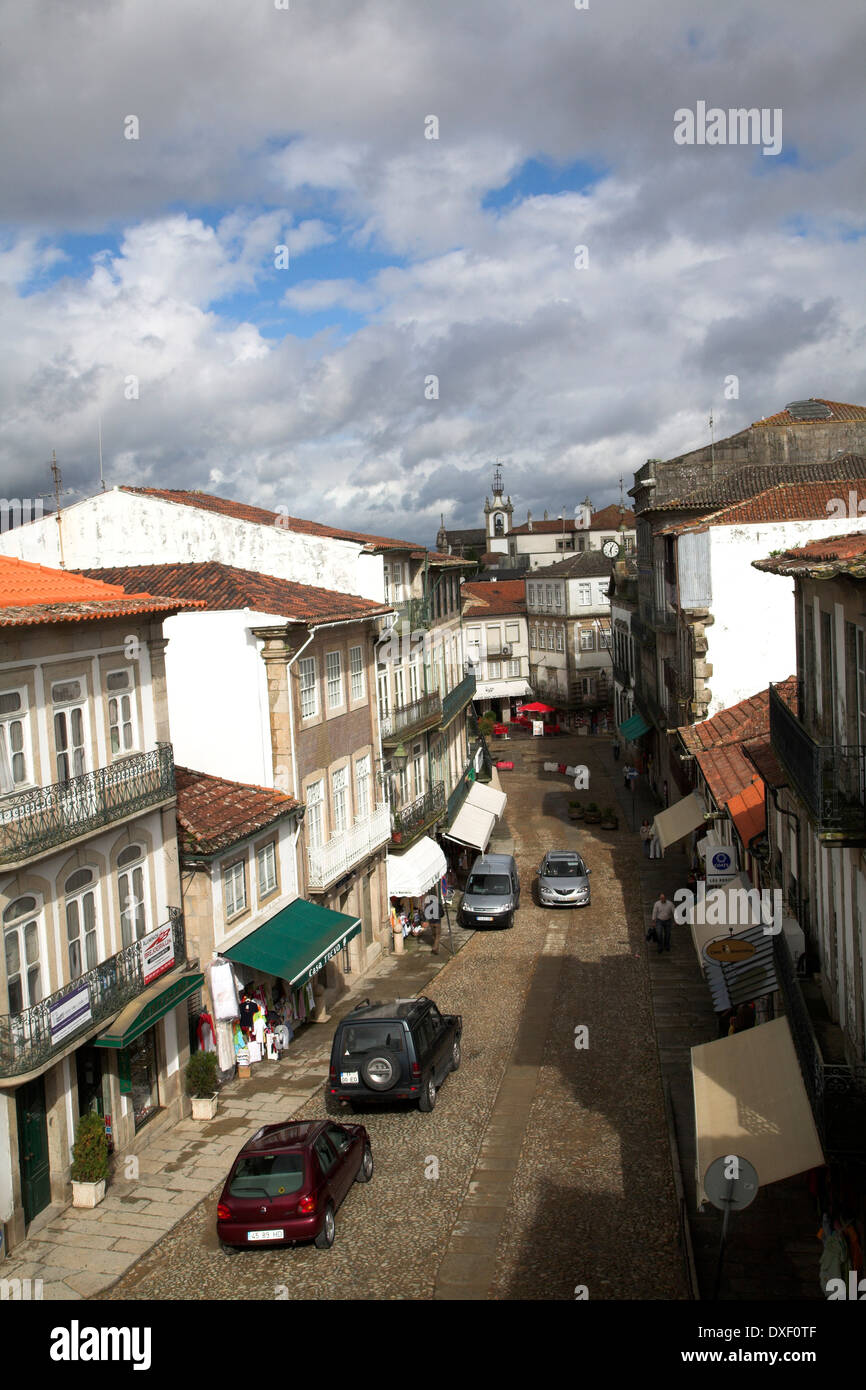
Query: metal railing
31, 1038
344, 850
404, 718
408, 822
837, 1093
830, 778
414, 611
35, 821
454, 700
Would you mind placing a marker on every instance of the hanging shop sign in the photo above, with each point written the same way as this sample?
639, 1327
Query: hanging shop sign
68, 1013
157, 953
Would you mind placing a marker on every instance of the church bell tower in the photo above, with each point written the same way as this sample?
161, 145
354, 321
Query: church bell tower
497, 516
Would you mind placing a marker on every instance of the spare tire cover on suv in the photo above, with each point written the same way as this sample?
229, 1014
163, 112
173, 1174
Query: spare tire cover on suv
381, 1070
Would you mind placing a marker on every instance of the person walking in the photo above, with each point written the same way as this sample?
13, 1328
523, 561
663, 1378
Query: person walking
663, 915
616, 750
646, 833
433, 914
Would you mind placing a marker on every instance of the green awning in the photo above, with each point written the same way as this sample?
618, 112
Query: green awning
633, 728
297, 942
150, 1006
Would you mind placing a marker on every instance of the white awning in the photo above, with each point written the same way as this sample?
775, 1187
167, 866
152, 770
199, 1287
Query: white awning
718, 906
415, 871
474, 822
492, 690
750, 1101
671, 825
472, 826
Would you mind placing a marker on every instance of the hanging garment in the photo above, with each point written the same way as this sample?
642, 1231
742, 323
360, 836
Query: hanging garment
311, 998
206, 1033
222, 988
225, 1046
834, 1261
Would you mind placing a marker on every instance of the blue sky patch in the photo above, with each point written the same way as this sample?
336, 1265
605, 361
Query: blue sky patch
537, 177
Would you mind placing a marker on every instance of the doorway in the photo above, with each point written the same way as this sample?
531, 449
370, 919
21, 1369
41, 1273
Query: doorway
33, 1148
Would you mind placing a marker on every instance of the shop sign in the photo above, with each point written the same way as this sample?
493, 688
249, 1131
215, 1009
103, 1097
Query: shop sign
720, 867
729, 951
66, 1015
157, 953
323, 960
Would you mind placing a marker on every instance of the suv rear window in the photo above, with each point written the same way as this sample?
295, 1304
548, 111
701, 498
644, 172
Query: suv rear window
364, 1037
489, 884
268, 1175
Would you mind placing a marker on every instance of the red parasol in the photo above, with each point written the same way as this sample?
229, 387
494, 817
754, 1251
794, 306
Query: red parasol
535, 708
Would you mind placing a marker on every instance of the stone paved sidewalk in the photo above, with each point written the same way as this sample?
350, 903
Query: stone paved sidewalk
78, 1253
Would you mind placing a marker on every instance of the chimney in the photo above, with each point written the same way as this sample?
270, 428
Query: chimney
529, 521
545, 514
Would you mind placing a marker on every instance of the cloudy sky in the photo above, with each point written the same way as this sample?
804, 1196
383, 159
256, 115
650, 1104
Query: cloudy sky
142, 281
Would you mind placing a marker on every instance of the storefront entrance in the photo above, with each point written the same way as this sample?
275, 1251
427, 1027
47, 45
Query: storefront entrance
33, 1148
143, 1078
88, 1064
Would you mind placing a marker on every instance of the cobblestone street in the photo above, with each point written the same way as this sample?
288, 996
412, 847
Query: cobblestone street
553, 1160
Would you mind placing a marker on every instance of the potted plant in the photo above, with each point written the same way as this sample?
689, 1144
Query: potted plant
592, 815
609, 819
575, 810
200, 1076
486, 722
89, 1172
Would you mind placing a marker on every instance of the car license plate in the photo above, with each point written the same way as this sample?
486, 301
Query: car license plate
349, 1078
484, 919
264, 1235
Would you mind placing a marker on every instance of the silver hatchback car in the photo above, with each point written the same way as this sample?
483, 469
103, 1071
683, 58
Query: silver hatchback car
563, 879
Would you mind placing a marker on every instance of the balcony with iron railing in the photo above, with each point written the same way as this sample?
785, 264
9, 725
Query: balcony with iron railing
410, 821
347, 848
35, 821
455, 700
412, 611
830, 778
406, 720
30, 1039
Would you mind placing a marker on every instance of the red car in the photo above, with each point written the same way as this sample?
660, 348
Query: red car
287, 1182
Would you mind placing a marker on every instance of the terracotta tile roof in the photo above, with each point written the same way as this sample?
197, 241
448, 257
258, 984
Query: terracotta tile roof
607, 519
726, 770
838, 411
784, 502
750, 719
822, 559
223, 587
32, 594
224, 506
436, 559
749, 482
760, 752
505, 596
589, 564
748, 811
213, 814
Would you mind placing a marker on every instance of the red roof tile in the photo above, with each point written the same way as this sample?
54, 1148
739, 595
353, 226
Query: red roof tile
489, 598
223, 587
32, 594
241, 511
838, 411
726, 771
759, 751
784, 502
213, 814
823, 558
607, 519
749, 719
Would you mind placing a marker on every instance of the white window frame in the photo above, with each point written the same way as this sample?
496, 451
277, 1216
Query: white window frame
132, 897
340, 800
494, 670
314, 822
9, 783
334, 682
362, 785
17, 926
514, 668
117, 698
234, 874
266, 857
587, 639
584, 595
309, 690
88, 942
65, 709
356, 669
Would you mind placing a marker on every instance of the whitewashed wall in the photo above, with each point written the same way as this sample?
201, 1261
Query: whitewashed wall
123, 528
752, 642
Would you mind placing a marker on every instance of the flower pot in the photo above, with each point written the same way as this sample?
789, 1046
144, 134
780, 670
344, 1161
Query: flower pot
88, 1194
610, 825
592, 817
204, 1107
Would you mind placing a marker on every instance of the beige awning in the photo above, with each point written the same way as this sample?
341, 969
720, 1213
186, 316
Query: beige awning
416, 870
719, 907
671, 825
472, 826
750, 1101
487, 798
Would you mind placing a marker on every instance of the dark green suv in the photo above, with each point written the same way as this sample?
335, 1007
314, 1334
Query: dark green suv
401, 1050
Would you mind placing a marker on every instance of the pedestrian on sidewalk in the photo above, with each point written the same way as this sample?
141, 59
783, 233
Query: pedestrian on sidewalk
655, 844
626, 775
433, 914
616, 750
645, 833
663, 915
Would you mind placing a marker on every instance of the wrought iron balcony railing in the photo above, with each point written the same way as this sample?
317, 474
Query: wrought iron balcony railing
413, 611
454, 701
29, 1039
326, 863
427, 709
830, 778
409, 821
35, 821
